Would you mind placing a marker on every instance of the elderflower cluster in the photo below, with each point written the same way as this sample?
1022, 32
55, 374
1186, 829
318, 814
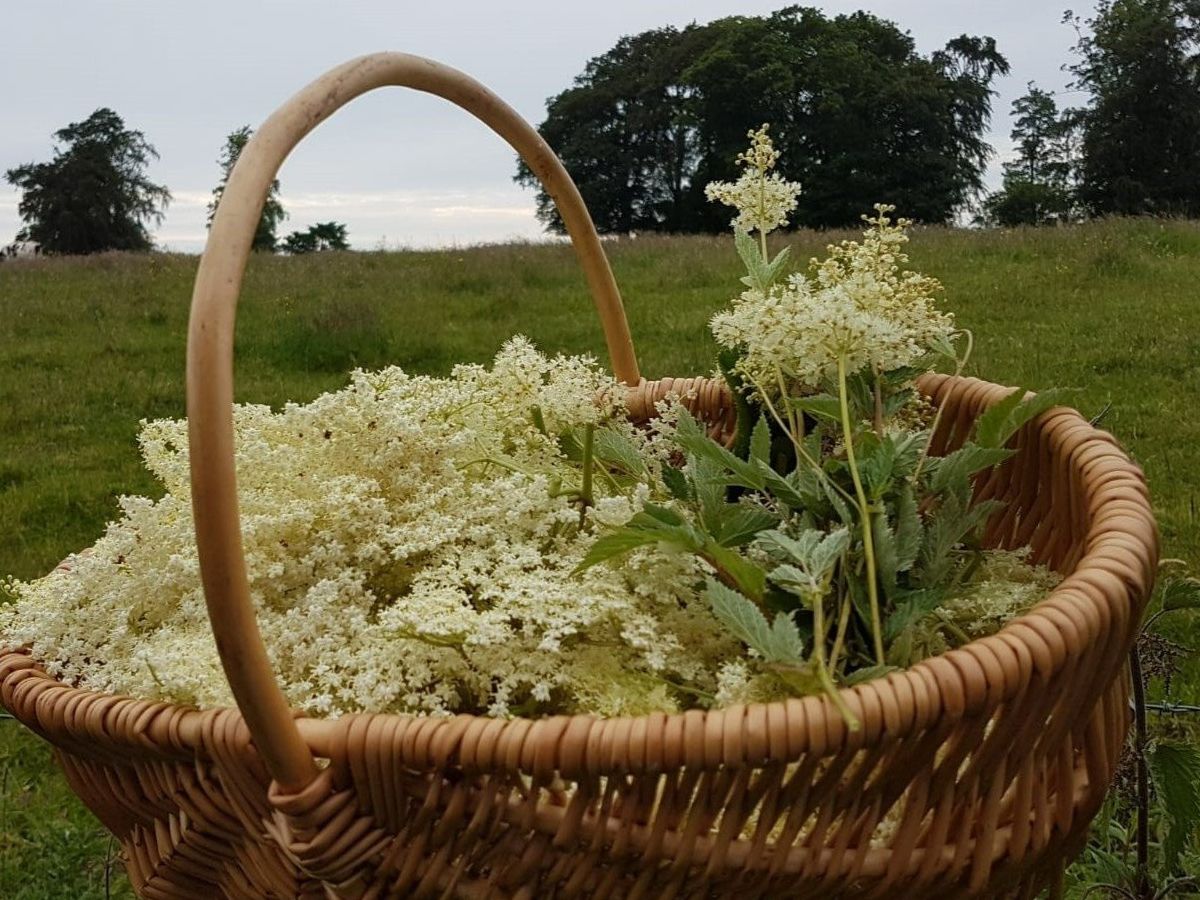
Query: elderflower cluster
411, 544
762, 198
858, 308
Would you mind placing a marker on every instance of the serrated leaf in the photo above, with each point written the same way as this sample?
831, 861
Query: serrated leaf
739, 614
908, 529
954, 471
895, 402
616, 450
690, 435
760, 442
990, 426
739, 523
751, 256
749, 578
1176, 771
877, 466
786, 642
801, 680
942, 346
775, 266
676, 483
782, 489
797, 582
886, 557
1181, 593
825, 406
996, 425
614, 544
911, 608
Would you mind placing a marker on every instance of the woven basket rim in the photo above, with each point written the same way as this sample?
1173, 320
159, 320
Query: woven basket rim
1118, 562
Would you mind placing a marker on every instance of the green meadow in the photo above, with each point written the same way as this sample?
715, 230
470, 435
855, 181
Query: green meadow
91, 346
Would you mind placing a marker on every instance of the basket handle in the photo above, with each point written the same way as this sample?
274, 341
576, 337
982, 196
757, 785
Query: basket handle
210, 357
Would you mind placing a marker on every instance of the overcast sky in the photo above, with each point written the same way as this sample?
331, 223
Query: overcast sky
399, 168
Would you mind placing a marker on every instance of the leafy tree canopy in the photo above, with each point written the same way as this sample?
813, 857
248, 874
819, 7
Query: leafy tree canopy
318, 237
1040, 184
272, 214
859, 116
93, 195
1141, 130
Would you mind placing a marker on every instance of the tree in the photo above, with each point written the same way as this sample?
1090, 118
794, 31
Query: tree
1141, 128
859, 116
318, 237
273, 213
93, 195
1040, 184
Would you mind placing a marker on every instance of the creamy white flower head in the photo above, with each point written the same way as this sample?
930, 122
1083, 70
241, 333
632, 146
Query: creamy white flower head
411, 547
762, 198
858, 306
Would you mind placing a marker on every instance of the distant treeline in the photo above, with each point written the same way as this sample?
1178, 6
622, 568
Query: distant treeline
860, 117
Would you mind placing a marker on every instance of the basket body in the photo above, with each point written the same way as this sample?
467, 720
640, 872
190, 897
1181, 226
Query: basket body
975, 773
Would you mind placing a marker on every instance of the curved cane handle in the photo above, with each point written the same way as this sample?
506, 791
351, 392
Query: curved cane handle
210, 356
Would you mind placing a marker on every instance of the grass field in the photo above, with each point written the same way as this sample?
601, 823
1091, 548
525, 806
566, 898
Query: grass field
89, 347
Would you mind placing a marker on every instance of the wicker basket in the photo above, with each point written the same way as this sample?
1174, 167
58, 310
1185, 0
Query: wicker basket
975, 773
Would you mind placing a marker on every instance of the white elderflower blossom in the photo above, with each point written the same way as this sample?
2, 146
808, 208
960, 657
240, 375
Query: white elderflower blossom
411, 545
762, 198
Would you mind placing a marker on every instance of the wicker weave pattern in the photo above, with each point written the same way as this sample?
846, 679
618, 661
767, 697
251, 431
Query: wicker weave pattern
986, 763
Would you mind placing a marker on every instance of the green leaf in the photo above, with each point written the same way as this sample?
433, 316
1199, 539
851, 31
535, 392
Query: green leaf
739, 614
739, 523
1181, 593
786, 642
676, 483
868, 674
616, 450
654, 524
953, 521
893, 403
727, 360
775, 266
1176, 771
760, 442
747, 248
777, 643
813, 551
786, 490
954, 471
887, 561
538, 419
690, 435
911, 608
996, 425
801, 680
614, 544
824, 406
877, 465
797, 582
908, 529
750, 579
990, 426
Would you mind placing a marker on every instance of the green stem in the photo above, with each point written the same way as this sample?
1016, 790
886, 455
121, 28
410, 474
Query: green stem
864, 511
801, 453
840, 635
585, 491
797, 421
827, 682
